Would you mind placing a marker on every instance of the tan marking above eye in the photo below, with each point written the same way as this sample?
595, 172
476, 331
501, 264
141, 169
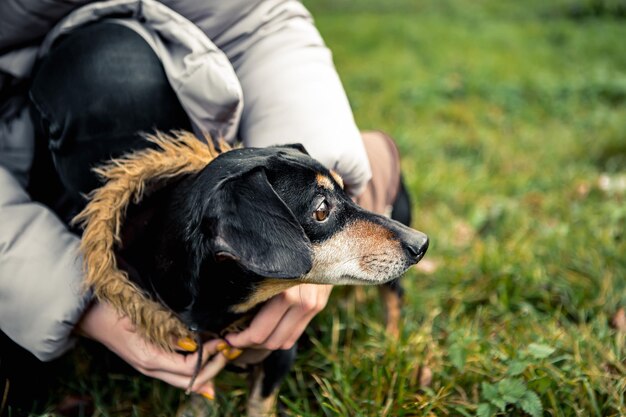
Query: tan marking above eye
324, 182
337, 178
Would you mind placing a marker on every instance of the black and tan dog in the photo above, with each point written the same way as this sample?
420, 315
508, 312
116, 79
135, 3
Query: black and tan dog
187, 240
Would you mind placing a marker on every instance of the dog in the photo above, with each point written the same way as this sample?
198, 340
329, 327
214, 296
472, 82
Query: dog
211, 244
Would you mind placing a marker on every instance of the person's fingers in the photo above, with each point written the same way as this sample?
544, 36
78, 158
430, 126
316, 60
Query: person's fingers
279, 324
251, 356
261, 326
179, 364
186, 344
289, 330
102, 323
306, 301
208, 372
178, 381
207, 390
203, 383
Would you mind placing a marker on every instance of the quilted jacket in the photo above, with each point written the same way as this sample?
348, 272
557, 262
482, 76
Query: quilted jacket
277, 85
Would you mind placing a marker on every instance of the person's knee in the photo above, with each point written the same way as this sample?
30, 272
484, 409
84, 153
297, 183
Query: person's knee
98, 87
103, 79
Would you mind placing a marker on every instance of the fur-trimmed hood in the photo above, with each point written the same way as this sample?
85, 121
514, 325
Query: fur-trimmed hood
127, 180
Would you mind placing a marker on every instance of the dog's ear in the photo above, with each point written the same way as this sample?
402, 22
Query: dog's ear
248, 222
297, 146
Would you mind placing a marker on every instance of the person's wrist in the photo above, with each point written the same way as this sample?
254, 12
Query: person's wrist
83, 326
95, 322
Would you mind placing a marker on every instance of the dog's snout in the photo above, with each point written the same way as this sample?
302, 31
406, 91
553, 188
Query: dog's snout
415, 245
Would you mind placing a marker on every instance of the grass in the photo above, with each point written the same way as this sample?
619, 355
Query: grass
511, 120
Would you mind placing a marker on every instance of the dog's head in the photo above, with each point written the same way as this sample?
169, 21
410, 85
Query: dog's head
256, 221
281, 214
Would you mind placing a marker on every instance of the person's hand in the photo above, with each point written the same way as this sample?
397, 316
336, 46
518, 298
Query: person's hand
102, 323
282, 320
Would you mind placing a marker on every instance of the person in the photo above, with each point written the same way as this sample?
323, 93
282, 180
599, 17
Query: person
76, 73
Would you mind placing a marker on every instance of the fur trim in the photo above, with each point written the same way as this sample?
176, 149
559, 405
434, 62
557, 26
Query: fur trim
127, 179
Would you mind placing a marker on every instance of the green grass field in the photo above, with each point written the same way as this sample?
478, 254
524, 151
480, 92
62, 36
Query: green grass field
511, 119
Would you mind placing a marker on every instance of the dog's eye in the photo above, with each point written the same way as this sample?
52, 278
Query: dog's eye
321, 212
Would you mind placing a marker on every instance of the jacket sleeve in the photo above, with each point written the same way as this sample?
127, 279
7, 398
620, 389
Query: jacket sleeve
25, 21
41, 298
292, 92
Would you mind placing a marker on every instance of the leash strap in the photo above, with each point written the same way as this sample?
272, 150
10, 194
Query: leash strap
198, 361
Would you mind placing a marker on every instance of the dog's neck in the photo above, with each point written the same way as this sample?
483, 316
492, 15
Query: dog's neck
222, 292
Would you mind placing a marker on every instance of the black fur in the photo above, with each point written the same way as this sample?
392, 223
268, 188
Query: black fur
204, 243
275, 368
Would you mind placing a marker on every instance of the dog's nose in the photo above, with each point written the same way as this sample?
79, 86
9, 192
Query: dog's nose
415, 245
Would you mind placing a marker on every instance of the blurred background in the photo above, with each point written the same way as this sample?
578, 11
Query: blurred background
511, 120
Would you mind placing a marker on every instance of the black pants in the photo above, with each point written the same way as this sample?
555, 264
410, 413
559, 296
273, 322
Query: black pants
92, 96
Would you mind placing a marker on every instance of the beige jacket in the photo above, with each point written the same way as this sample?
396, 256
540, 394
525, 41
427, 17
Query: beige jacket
278, 85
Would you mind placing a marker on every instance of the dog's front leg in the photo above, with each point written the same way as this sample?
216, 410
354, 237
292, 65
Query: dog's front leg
391, 295
392, 292
265, 382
